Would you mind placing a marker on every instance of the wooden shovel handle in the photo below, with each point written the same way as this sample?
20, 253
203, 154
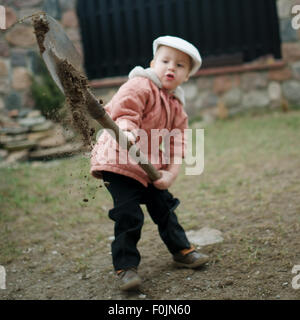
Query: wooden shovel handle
98, 113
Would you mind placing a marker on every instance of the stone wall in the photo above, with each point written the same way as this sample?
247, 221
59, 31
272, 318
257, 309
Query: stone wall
262, 83
215, 92
18, 47
25, 133
220, 92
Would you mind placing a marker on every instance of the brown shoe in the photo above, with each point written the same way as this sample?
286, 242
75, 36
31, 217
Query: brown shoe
192, 259
129, 279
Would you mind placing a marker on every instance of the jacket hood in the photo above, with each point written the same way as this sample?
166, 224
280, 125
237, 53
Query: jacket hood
150, 74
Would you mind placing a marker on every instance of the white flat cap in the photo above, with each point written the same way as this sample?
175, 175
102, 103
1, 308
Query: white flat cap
182, 45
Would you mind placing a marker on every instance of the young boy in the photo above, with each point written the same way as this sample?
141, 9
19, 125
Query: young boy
151, 99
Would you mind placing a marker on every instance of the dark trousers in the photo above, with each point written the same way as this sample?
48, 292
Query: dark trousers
128, 216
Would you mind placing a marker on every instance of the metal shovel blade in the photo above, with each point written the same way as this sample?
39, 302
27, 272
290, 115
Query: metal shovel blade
55, 47
56, 41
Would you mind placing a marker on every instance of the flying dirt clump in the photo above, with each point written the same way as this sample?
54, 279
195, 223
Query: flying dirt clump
41, 27
74, 83
75, 86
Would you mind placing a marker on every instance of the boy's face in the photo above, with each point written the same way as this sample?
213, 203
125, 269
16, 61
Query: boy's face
172, 67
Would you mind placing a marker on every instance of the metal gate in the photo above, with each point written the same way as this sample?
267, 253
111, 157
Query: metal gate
118, 34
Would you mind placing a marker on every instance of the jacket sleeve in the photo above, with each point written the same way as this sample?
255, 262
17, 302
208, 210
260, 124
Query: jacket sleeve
178, 143
127, 106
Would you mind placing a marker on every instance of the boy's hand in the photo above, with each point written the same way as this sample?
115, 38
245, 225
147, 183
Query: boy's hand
167, 176
165, 181
130, 136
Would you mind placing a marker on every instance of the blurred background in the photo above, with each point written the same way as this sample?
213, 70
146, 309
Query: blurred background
251, 59
55, 235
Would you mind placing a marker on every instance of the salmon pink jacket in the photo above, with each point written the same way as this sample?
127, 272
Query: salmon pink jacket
142, 103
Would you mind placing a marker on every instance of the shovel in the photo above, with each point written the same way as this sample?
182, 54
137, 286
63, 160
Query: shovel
55, 47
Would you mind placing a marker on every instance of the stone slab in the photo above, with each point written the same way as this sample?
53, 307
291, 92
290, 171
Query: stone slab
17, 156
42, 127
13, 130
30, 122
56, 152
205, 236
9, 139
19, 145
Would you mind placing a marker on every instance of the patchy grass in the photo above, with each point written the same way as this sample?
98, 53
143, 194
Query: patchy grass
39, 198
250, 190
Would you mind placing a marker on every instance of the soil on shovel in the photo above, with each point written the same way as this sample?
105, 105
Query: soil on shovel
41, 27
75, 86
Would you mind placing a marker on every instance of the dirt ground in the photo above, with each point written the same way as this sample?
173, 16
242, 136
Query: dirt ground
48, 273
256, 207
237, 270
